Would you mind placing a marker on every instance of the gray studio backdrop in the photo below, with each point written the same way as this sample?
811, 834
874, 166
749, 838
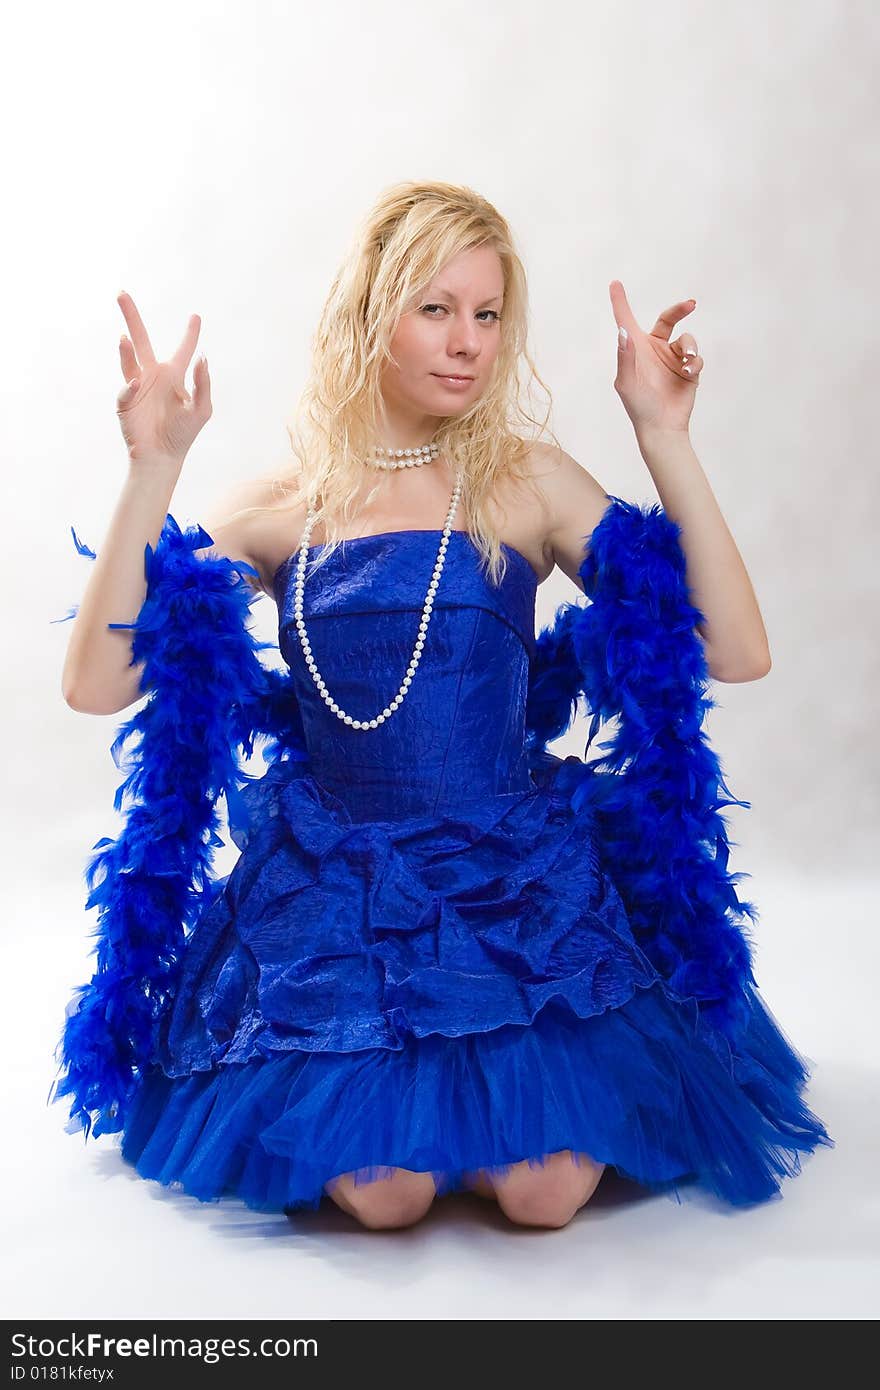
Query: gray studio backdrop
727, 156
213, 158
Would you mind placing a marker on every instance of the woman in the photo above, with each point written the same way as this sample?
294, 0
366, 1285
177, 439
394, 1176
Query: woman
434, 967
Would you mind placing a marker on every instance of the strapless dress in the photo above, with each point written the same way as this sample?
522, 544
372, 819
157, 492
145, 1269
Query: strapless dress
420, 958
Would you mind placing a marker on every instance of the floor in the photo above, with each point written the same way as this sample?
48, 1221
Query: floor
83, 1236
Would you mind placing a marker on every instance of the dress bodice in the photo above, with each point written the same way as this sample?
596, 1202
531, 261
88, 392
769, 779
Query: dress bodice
460, 731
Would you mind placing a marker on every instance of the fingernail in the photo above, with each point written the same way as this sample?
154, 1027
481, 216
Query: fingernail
622, 336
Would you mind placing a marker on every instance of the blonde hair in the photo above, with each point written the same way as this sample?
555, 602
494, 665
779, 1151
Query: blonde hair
411, 231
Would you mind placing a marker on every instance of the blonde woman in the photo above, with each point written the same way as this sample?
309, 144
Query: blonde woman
445, 959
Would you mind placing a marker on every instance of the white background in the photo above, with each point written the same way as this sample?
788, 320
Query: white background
213, 158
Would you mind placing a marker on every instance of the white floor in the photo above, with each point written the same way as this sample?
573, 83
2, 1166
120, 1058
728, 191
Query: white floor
83, 1236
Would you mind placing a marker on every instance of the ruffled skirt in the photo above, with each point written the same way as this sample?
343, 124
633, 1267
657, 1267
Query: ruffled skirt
446, 993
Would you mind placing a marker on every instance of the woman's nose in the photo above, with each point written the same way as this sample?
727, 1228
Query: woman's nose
463, 338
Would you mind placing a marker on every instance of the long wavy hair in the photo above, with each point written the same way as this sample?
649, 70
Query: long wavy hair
408, 235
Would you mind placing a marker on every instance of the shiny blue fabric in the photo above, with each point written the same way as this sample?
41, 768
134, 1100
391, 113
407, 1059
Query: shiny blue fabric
421, 958
459, 735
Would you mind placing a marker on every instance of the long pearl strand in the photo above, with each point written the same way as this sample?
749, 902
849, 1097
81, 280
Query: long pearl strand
422, 630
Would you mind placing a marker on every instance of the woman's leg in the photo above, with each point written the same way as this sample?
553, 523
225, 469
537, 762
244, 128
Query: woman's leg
545, 1195
383, 1203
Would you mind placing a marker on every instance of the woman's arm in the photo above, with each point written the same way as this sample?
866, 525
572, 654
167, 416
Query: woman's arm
97, 677
734, 639
657, 380
159, 420
576, 504
734, 636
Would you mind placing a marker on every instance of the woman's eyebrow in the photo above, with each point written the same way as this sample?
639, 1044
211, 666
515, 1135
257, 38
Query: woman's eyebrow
450, 295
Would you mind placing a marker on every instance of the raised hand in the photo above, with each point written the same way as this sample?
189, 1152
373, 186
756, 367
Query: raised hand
657, 375
158, 416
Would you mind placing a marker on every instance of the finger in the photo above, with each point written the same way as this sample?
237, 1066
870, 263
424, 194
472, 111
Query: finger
188, 342
685, 346
202, 387
127, 394
687, 359
622, 312
665, 325
139, 336
692, 367
127, 358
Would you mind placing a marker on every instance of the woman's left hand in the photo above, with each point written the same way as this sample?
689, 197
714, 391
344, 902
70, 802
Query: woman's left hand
656, 379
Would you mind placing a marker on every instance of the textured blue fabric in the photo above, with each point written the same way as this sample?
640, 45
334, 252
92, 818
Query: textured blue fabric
426, 955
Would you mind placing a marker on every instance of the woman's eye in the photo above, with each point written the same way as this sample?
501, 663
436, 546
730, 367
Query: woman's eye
427, 307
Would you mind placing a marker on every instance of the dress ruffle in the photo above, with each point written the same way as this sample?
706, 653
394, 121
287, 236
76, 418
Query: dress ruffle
343, 935
468, 986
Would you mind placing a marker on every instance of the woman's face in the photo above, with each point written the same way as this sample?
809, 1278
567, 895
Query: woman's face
453, 330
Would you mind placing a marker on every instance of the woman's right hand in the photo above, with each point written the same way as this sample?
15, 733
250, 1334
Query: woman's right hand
158, 416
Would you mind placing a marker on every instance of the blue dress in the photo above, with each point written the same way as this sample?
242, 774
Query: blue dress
420, 958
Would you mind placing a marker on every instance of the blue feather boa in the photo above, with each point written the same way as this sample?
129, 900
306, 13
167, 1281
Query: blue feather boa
183, 750
632, 653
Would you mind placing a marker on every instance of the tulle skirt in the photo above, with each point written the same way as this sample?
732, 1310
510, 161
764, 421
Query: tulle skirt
447, 995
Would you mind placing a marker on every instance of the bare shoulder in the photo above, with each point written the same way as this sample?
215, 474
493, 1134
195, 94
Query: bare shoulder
240, 495
241, 523
564, 482
575, 503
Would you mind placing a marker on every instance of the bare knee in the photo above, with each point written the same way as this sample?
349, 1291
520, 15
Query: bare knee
386, 1202
539, 1209
549, 1194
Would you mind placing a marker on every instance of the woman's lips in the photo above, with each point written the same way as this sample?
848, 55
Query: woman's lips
455, 383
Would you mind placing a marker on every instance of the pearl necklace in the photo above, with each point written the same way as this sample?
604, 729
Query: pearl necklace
403, 458
420, 638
